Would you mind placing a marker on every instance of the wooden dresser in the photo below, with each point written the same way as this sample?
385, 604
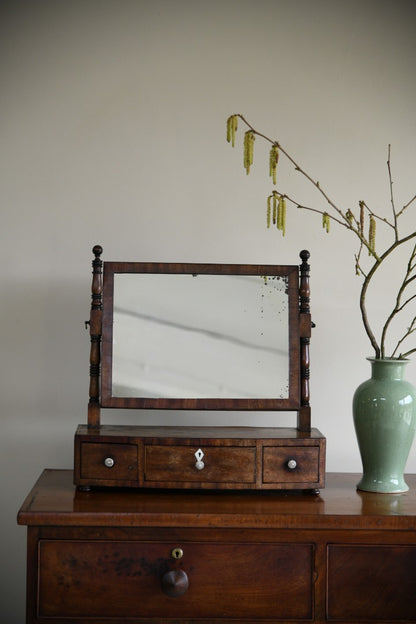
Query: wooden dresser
214, 557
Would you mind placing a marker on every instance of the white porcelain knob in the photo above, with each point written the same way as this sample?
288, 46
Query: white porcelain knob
291, 464
199, 465
109, 462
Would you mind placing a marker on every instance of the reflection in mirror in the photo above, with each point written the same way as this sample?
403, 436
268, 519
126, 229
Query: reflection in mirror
199, 336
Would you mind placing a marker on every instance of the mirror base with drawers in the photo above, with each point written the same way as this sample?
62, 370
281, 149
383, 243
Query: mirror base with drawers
200, 337
240, 458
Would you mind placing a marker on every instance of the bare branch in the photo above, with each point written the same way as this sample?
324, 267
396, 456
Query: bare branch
403, 356
406, 206
364, 228
391, 194
297, 167
410, 331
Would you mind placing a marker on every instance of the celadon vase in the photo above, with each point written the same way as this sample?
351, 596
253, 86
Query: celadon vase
384, 411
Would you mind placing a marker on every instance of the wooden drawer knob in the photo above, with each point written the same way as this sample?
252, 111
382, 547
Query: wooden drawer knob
174, 583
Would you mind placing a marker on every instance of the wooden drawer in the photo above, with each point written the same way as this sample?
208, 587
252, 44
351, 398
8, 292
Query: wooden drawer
104, 461
375, 583
221, 464
290, 464
83, 579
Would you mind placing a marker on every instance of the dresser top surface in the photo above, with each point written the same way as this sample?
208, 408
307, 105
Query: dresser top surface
54, 500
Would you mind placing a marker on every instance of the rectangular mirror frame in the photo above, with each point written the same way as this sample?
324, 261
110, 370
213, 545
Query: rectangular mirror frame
292, 402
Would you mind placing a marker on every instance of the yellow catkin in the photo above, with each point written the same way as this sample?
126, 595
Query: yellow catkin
281, 215
251, 149
273, 160
361, 218
276, 211
269, 210
229, 126
275, 201
372, 235
326, 221
350, 217
234, 128
232, 124
248, 150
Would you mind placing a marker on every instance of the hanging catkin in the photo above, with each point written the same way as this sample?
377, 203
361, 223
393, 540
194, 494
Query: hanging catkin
248, 150
372, 235
273, 160
232, 124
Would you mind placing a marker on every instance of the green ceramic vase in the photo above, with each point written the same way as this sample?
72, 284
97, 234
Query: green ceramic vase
384, 410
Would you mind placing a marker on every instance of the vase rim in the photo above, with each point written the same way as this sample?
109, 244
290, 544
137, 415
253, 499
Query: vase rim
389, 360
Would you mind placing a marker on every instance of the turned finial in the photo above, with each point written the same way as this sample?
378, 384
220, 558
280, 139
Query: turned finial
97, 250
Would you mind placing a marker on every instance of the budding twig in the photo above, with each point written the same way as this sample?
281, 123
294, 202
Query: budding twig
362, 226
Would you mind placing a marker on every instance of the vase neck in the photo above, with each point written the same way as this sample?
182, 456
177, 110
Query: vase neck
387, 368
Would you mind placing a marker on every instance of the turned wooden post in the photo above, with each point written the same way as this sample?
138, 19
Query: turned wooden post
304, 414
95, 336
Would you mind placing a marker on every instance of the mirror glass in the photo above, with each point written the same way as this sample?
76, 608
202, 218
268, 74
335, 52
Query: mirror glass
195, 336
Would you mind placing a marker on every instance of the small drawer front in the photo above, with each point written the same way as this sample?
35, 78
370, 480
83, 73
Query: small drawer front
178, 464
371, 583
108, 461
125, 579
290, 464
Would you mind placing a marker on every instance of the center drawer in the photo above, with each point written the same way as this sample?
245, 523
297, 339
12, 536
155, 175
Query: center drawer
84, 579
218, 464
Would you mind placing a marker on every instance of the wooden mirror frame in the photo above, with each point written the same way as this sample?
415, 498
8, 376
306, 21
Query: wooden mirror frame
100, 388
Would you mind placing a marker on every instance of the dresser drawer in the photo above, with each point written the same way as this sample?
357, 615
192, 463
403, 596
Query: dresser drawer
290, 464
219, 464
374, 583
105, 461
83, 579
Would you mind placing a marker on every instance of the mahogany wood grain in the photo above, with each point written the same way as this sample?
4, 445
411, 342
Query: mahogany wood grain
291, 402
234, 457
243, 472
54, 500
304, 413
107, 556
95, 323
175, 463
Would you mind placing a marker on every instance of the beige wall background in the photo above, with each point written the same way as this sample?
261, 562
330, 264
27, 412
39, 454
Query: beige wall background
113, 132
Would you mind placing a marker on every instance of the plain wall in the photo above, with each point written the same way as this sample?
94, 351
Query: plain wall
112, 121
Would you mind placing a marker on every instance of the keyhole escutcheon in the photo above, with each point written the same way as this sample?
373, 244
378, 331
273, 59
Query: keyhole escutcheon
177, 553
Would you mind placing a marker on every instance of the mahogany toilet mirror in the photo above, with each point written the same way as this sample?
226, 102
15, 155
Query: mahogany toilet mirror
176, 336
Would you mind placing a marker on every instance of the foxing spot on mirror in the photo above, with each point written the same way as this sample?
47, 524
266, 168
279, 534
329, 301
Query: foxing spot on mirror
200, 336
